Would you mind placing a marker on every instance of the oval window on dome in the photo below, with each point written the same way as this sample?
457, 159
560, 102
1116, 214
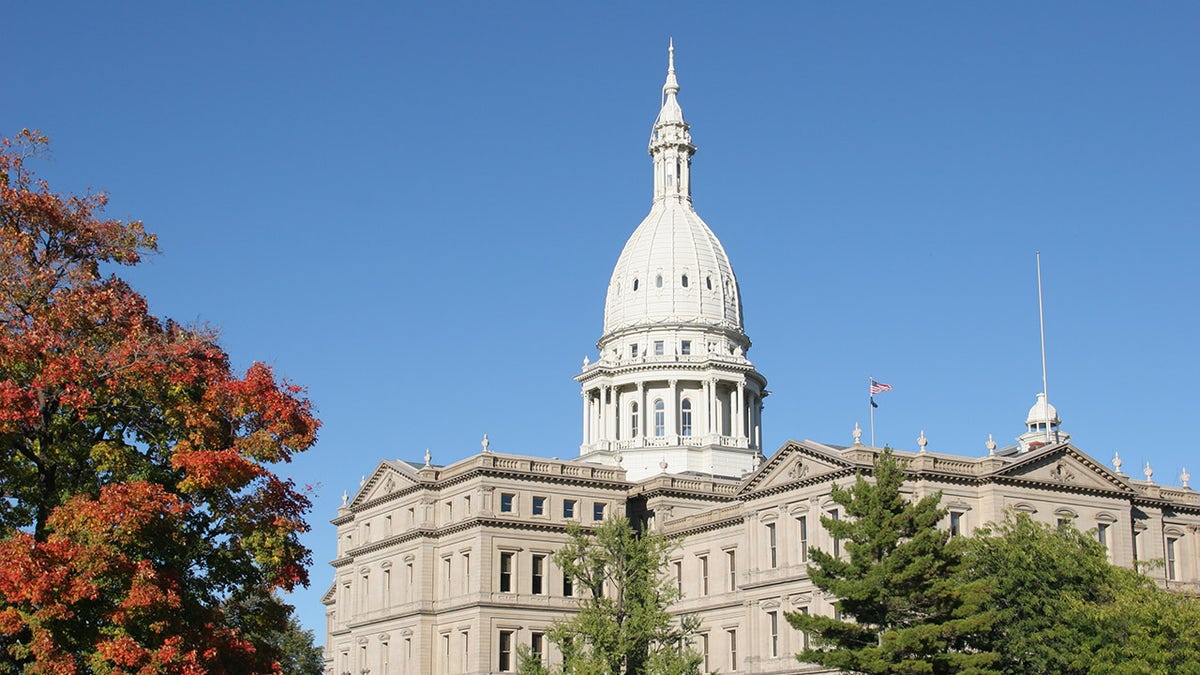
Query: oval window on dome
658, 281
684, 281
635, 283
708, 281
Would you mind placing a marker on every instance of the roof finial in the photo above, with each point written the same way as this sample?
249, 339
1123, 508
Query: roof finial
672, 85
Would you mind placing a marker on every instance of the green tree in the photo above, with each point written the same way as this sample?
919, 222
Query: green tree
623, 624
1142, 630
901, 608
271, 625
1059, 605
1037, 577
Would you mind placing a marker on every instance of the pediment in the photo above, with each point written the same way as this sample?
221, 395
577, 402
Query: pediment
387, 478
1063, 465
792, 463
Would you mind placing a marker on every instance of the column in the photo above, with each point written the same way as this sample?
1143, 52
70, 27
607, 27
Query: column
714, 421
603, 413
613, 417
643, 415
586, 427
707, 409
673, 413
741, 410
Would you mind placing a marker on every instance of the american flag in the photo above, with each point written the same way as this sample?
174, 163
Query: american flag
879, 387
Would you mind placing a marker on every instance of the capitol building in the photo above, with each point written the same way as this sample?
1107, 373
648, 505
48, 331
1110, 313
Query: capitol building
449, 569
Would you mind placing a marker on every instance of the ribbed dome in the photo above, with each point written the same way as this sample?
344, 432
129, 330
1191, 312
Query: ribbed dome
673, 270
1042, 412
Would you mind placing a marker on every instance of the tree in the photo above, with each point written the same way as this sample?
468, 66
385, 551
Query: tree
901, 609
270, 624
1059, 606
623, 624
1143, 630
135, 466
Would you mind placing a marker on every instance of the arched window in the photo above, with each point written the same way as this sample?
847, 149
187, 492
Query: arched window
660, 418
633, 420
685, 417
658, 281
707, 280
683, 281
635, 283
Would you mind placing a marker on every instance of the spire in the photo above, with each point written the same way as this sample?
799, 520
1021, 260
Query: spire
670, 143
671, 87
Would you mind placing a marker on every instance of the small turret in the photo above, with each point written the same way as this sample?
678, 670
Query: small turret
1041, 426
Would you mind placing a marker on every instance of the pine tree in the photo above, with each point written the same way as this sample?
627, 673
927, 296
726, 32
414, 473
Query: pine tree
901, 608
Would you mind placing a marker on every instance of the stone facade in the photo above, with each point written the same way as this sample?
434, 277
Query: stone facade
448, 569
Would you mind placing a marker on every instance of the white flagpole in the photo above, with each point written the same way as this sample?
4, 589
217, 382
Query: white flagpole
871, 401
1042, 330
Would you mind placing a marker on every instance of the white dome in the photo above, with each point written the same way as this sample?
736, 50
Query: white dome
672, 271
1042, 413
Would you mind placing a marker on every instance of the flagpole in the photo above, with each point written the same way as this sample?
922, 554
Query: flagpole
1042, 331
871, 404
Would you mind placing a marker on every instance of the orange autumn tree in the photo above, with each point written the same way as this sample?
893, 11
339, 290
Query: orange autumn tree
136, 489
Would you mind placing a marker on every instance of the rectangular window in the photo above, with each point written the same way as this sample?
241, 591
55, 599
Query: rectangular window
568, 586
703, 575
408, 583
658, 347
955, 524
803, 521
539, 573
733, 656
387, 588
1102, 534
506, 502
568, 508
731, 556
467, 505
1062, 522
772, 551
506, 651
384, 658
803, 635
448, 576
449, 511
685, 347
537, 646
506, 572
633, 351
466, 571
598, 510
466, 649
678, 567
366, 533
445, 652
387, 526
837, 543
704, 653
539, 506
773, 620
1172, 572
412, 516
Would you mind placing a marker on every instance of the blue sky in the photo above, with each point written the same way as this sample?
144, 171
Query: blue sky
413, 210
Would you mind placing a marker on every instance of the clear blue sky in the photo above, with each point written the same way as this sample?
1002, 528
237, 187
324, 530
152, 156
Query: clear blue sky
413, 209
